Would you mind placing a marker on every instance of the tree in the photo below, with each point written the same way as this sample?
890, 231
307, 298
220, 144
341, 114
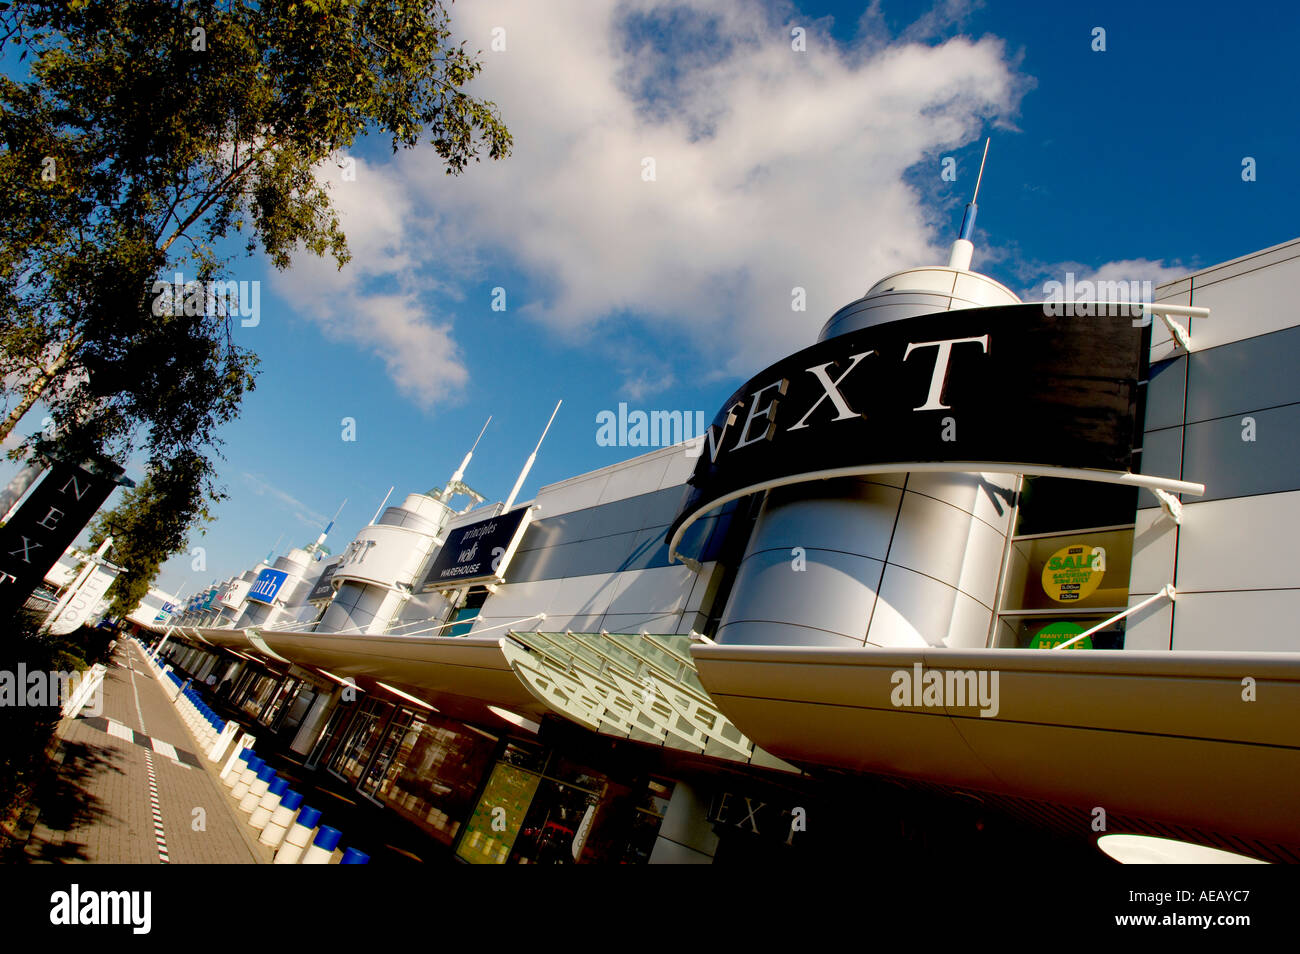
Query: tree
147, 133
149, 524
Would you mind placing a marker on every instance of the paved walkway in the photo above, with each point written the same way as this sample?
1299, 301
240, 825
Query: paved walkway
133, 787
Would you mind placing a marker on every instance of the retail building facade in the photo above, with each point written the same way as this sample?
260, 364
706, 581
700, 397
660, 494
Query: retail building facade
664, 660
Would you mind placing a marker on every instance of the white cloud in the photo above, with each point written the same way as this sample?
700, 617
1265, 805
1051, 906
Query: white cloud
1139, 270
774, 169
1127, 270
380, 299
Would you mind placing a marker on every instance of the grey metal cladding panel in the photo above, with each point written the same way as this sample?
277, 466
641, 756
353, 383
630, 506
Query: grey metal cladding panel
635, 513
1244, 376
397, 517
1162, 453
649, 550
582, 557
1217, 456
618, 516
635, 550
1165, 393
526, 565
553, 531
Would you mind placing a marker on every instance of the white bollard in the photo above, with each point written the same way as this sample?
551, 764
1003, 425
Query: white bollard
87, 687
269, 803
245, 745
246, 778
322, 846
265, 776
298, 836
278, 824
218, 748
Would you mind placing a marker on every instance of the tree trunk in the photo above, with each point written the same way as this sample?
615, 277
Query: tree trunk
37, 387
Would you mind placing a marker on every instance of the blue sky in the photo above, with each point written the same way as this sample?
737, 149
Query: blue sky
774, 168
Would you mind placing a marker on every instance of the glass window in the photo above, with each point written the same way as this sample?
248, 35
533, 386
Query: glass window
435, 773
1068, 567
294, 712
323, 750
259, 694
571, 814
362, 736
646, 819
394, 734
286, 691
492, 829
463, 621
524, 755
1039, 632
557, 826
1076, 571
1055, 505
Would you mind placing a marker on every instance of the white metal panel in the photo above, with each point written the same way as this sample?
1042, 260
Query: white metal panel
641, 475
661, 590
1241, 543
1262, 621
570, 495
1155, 536
1245, 305
384, 555
913, 610
861, 523
583, 594
1148, 629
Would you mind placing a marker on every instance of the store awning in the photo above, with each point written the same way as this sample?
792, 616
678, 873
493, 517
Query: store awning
1210, 740
458, 675
634, 685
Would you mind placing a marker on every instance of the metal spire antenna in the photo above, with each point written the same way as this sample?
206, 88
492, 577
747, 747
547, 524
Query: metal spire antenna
460, 471
531, 459
381, 506
320, 541
964, 248
980, 177
457, 485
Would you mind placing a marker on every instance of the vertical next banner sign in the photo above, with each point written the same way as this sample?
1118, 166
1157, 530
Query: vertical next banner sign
47, 524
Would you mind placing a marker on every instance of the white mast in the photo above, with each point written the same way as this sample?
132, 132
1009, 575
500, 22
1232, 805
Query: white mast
320, 541
964, 248
460, 471
381, 506
531, 458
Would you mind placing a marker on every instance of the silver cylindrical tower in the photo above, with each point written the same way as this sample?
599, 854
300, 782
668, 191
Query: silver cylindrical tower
908, 559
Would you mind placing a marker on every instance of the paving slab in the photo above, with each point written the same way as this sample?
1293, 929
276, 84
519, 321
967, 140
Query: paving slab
132, 785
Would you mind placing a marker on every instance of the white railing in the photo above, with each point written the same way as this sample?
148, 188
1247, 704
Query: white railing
1168, 591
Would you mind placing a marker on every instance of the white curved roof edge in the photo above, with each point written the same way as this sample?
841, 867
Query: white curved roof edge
1162, 735
1224, 662
465, 667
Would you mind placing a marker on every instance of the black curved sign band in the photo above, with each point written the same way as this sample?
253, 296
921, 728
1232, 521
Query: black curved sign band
1012, 384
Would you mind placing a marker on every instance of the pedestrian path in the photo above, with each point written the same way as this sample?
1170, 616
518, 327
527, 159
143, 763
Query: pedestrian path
116, 729
131, 786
